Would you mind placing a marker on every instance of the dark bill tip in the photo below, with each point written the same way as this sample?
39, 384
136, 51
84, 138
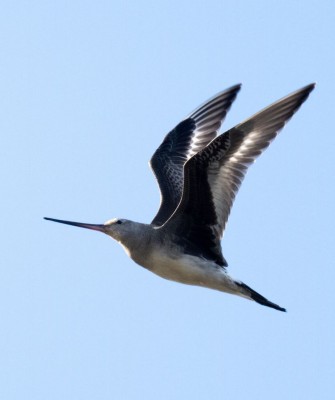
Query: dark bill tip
94, 227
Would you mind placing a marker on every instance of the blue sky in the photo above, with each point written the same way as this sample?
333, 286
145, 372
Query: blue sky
87, 92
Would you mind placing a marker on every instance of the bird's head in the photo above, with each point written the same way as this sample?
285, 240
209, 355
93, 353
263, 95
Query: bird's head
117, 228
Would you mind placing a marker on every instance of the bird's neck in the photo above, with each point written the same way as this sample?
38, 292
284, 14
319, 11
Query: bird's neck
137, 241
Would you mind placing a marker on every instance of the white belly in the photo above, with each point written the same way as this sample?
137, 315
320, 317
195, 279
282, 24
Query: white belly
191, 270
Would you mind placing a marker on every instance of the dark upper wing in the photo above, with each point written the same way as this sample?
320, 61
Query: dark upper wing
214, 175
185, 140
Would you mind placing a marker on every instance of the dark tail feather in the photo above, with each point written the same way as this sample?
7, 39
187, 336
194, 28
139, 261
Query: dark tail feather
259, 298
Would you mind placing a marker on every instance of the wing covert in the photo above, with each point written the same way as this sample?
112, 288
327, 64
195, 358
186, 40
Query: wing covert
179, 145
213, 176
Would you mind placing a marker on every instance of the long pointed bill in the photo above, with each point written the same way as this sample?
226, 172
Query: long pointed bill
94, 227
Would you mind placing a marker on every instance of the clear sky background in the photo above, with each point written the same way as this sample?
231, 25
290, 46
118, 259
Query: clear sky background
88, 89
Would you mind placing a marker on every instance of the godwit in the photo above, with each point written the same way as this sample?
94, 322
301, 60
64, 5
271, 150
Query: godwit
199, 174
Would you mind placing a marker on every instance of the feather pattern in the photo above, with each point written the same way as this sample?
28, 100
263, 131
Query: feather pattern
184, 141
213, 176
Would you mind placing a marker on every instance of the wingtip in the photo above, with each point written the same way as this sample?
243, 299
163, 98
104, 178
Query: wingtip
304, 92
236, 87
310, 86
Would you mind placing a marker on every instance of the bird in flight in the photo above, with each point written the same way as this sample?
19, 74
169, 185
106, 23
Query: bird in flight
199, 172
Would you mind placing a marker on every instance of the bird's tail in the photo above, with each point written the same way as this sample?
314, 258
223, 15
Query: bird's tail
251, 294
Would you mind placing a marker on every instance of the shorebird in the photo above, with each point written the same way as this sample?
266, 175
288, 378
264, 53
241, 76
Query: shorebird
199, 173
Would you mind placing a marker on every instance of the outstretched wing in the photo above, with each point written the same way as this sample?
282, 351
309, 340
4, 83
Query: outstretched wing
185, 140
214, 175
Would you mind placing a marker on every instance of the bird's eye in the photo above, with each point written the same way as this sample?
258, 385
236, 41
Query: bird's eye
119, 221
